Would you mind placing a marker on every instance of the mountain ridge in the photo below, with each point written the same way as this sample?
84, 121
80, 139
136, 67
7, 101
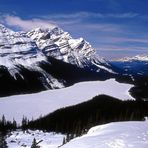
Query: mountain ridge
134, 58
48, 42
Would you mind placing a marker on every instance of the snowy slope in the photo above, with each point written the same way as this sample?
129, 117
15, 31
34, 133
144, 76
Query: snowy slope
34, 105
20, 139
18, 53
114, 135
17, 49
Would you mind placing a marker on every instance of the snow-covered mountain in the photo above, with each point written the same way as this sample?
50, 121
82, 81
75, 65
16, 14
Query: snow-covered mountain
46, 59
60, 45
16, 49
135, 58
133, 70
20, 48
19, 53
136, 66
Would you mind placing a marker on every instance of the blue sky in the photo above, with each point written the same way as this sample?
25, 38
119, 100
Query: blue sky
116, 28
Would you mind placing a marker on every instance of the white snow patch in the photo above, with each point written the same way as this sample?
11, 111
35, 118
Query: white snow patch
103, 67
114, 135
43, 103
19, 139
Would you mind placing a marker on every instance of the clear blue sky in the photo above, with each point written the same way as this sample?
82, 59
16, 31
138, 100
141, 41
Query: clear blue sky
116, 28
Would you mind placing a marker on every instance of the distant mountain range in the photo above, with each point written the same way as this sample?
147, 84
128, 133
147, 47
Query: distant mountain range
132, 66
135, 71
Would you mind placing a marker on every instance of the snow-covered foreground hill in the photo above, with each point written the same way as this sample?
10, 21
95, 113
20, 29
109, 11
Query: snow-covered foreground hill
43, 103
114, 135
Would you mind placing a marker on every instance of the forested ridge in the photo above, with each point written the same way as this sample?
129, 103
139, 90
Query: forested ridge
79, 118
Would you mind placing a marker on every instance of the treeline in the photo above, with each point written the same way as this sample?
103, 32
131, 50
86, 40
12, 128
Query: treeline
139, 91
7, 125
77, 119
3, 143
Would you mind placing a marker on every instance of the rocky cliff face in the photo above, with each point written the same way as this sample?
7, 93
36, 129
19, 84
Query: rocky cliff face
60, 45
16, 49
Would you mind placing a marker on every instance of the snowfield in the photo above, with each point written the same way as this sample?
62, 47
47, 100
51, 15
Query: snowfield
114, 135
43, 103
132, 134
20, 139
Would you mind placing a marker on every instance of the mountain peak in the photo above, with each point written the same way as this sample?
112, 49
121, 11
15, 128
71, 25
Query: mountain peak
16, 48
50, 41
60, 45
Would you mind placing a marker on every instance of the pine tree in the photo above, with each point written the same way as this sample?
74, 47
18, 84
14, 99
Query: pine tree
24, 123
3, 143
3, 120
34, 144
14, 124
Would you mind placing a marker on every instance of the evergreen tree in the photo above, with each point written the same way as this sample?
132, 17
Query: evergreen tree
3, 120
14, 124
24, 123
3, 143
34, 144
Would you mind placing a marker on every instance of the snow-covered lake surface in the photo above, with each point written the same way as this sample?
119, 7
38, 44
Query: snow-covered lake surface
114, 135
43, 103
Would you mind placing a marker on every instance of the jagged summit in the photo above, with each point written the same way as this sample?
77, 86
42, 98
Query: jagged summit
51, 41
60, 45
47, 42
